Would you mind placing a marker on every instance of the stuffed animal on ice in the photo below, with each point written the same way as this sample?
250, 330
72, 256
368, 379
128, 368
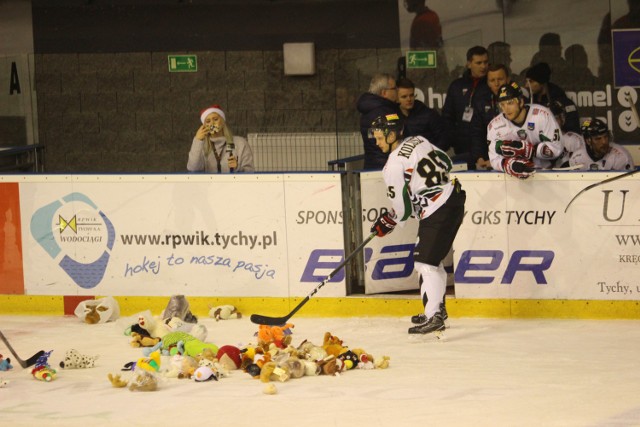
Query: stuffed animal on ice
75, 360
42, 371
175, 324
5, 364
178, 306
224, 312
4, 383
144, 381
278, 335
185, 344
147, 332
333, 345
98, 311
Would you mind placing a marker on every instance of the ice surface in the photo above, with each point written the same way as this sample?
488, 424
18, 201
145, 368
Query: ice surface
488, 372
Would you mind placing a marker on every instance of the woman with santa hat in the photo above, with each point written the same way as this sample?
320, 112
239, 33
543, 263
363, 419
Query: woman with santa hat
215, 149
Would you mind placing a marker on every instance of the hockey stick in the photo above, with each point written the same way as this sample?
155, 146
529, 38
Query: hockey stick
606, 181
278, 321
24, 363
634, 110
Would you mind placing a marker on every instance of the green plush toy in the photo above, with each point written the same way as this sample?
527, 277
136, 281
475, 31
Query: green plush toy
192, 346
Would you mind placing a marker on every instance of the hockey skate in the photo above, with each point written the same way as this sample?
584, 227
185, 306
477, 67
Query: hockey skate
419, 319
435, 326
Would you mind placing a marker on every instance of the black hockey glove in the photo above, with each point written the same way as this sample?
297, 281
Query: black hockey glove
519, 168
384, 224
522, 149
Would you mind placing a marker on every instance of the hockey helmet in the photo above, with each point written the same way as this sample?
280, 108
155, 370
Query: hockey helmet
387, 124
509, 91
593, 127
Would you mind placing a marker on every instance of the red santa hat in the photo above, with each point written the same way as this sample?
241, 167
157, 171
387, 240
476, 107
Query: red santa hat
213, 109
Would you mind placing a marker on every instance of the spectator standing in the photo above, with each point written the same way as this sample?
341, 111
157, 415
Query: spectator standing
381, 99
550, 52
542, 91
418, 118
215, 149
426, 31
523, 137
458, 109
486, 107
500, 53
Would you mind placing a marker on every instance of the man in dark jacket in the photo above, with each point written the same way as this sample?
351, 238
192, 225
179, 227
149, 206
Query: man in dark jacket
543, 92
486, 108
380, 100
458, 110
418, 118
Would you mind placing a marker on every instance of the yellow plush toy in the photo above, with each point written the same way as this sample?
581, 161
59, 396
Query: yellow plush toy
333, 345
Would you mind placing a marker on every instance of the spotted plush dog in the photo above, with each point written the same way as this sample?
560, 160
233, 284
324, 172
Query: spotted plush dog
74, 360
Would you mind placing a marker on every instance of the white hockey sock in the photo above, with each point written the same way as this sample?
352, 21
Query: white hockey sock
434, 284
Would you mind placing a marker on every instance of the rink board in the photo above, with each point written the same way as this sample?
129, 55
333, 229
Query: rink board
279, 235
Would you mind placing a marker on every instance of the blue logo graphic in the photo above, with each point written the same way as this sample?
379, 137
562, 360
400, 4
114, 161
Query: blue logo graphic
79, 234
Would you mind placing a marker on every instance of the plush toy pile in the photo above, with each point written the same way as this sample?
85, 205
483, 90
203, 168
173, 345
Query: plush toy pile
175, 346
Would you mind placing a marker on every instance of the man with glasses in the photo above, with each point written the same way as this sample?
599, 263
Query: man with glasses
380, 100
523, 137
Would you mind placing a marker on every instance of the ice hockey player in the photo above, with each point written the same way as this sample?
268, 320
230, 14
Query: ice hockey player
523, 137
417, 179
593, 150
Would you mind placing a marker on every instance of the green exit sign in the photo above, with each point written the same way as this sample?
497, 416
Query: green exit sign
183, 63
421, 59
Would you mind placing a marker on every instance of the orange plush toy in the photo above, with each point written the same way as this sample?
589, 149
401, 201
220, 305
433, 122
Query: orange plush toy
278, 335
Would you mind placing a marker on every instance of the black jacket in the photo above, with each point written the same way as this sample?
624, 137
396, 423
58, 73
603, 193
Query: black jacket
485, 109
426, 122
555, 93
371, 106
461, 94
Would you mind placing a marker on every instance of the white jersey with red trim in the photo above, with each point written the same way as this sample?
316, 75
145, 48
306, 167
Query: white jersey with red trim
539, 127
577, 155
417, 178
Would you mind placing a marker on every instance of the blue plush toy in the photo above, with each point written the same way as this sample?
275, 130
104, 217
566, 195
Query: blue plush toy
5, 364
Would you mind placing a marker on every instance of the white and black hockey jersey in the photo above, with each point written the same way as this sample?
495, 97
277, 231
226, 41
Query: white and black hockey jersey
539, 127
577, 156
417, 178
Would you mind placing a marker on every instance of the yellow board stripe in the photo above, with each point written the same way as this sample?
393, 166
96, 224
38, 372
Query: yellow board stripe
356, 306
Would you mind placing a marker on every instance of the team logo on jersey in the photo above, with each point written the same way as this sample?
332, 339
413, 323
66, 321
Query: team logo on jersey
531, 125
522, 134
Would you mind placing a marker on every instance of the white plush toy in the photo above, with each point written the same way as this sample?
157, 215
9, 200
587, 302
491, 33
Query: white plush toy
224, 312
74, 360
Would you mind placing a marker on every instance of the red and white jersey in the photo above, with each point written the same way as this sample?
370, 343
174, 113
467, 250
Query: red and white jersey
577, 155
417, 178
539, 127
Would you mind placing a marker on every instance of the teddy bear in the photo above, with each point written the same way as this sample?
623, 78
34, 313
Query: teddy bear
329, 365
4, 383
310, 351
5, 364
333, 345
117, 381
74, 360
224, 312
144, 381
272, 372
178, 306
